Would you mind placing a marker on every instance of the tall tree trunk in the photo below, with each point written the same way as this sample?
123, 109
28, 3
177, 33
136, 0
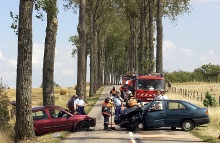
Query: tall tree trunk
100, 58
112, 70
95, 57
136, 48
131, 48
142, 36
24, 129
106, 80
81, 70
150, 37
92, 55
49, 54
159, 54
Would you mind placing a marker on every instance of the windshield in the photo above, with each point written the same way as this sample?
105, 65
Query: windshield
150, 84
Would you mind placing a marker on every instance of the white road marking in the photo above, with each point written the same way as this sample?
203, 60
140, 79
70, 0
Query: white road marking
132, 140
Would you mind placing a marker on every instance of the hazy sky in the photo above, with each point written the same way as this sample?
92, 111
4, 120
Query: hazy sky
188, 43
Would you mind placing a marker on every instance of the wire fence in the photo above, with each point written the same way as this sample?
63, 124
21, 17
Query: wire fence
195, 95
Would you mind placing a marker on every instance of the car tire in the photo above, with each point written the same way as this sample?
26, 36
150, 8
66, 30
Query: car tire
82, 126
138, 126
187, 125
36, 134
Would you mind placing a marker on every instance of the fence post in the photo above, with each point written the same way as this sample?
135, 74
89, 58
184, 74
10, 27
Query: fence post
201, 96
219, 100
197, 96
194, 95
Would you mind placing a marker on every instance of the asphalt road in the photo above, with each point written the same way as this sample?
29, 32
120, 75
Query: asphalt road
120, 135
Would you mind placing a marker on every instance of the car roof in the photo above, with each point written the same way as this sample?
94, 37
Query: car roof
150, 77
46, 106
172, 100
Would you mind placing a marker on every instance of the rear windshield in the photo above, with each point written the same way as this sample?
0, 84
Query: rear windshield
150, 84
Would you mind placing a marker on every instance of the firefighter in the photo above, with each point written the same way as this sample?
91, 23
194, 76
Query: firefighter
106, 112
127, 98
113, 92
132, 102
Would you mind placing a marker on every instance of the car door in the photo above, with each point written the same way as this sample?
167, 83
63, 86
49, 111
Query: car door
175, 111
42, 123
154, 115
60, 120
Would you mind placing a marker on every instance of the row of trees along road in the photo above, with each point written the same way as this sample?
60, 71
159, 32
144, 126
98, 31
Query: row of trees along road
117, 34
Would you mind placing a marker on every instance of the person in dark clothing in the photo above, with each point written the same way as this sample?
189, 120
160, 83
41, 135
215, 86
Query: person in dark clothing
169, 86
113, 91
70, 104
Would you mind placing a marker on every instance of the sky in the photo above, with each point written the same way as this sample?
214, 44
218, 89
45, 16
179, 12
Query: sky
189, 42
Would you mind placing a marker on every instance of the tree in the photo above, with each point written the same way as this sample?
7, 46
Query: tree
50, 6
150, 36
81, 70
159, 50
208, 72
24, 129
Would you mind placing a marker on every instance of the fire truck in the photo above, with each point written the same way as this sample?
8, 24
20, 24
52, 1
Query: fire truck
145, 87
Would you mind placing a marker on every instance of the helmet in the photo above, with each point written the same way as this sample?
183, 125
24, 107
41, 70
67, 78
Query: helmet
107, 99
129, 92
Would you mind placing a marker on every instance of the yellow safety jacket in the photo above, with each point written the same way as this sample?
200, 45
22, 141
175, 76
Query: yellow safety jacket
106, 108
132, 102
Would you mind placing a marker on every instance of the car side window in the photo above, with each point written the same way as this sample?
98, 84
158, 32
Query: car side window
55, 113
176, 106
157, 106
39, 115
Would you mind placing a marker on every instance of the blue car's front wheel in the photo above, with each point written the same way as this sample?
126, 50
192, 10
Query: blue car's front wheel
138, 126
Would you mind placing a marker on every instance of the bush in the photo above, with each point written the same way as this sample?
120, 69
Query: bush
210, 100
4, 110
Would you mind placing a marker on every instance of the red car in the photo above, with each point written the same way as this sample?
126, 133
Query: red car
54, 118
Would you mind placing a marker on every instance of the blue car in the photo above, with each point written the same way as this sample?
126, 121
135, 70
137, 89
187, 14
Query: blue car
173, 113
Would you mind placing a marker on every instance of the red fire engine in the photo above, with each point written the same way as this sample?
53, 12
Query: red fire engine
145, 87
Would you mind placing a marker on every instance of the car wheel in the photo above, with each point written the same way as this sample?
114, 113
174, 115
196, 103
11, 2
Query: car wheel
187, 125
36, 133
82, 126
138, 126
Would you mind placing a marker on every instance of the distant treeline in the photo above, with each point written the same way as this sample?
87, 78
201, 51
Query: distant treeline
206, 73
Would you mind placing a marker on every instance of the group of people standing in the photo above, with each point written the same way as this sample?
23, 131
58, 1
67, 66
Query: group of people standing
76, 104
160, 95
116, 101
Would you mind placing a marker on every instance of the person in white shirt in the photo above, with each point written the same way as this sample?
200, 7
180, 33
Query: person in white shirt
164, 97
118, 104
158, 95
80, 104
